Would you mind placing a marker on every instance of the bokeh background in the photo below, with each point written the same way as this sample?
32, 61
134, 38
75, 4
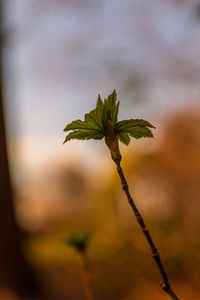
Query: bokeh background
57, 55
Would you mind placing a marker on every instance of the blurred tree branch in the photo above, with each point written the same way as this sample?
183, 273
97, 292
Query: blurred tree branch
15, 273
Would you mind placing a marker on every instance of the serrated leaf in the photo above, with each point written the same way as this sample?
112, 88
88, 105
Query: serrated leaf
78, 124
140, 131
136, 128
84, 134
127, 125
112, 107
99, 101
123, 137
95, 124
92, 121
115, 113
100, 113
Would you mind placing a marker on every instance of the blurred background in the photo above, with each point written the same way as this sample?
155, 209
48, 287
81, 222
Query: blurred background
56, 56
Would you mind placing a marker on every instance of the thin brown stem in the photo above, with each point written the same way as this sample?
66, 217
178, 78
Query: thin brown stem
85, 278
155, 254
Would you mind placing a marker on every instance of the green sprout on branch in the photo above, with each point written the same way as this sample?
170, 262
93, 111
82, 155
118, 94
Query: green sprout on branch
79, 241
102, 122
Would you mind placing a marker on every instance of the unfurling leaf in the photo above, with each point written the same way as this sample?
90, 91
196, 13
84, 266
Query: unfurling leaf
139, 132
78, 124
112, 107
130, 124
123, 137
95, 125
78, 240
84, 134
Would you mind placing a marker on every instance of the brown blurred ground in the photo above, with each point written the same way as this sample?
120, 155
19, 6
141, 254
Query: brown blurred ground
164, 176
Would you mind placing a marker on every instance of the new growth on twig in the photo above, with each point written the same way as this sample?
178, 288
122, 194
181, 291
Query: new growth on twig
79, 241
102, 122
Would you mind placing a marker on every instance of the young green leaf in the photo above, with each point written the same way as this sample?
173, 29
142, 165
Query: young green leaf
78, 240
112, 107
95, 125
101, 113
123, 137
139, 132
136, 128
127, 125
92, 119
78, 124
84, 134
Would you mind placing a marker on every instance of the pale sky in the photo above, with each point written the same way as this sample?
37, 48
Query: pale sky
60, 54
